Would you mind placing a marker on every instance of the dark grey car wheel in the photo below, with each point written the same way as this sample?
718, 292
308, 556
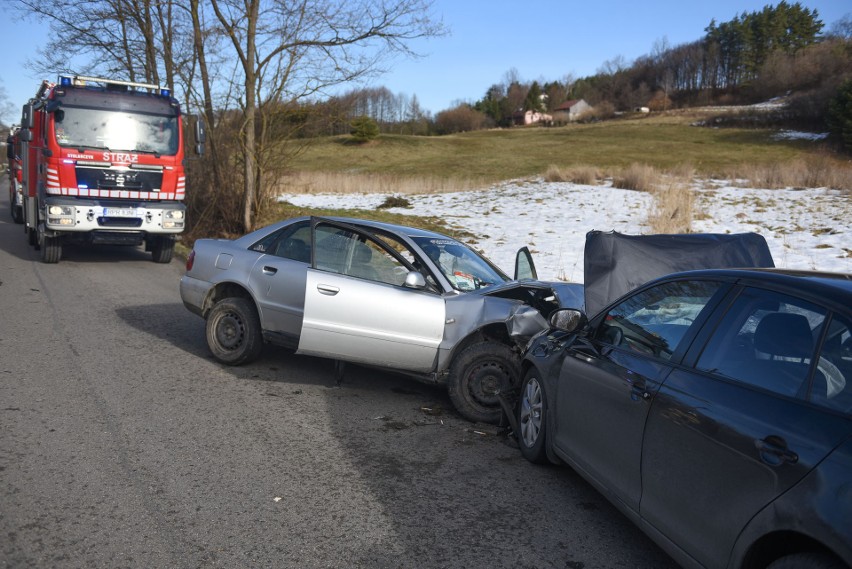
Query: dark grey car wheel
233, 331
808, 560
532, 418
478, 375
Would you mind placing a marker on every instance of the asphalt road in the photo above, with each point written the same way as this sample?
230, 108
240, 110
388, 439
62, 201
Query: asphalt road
123, 444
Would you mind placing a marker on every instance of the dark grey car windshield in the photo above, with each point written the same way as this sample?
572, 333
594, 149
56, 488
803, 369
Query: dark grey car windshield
116, 130
464, 268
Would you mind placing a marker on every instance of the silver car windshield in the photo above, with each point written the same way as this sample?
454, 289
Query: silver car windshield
463, 268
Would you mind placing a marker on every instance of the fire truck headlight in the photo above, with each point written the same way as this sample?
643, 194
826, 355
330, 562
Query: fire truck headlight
60, 215
173, 219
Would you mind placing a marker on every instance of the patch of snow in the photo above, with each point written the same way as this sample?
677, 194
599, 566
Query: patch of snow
797, 135
805, 229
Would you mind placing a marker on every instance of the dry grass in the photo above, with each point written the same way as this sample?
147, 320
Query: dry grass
817, 172
674, 203
585, 175
352, 183
639, 177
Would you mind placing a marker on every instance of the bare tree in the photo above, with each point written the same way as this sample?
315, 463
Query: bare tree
288, 51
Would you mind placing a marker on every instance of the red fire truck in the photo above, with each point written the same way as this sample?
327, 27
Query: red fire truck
13, 158
102, 162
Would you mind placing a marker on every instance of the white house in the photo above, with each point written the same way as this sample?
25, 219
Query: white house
522, 118
571, 110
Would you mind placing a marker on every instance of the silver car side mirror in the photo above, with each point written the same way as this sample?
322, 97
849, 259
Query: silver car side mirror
415, 279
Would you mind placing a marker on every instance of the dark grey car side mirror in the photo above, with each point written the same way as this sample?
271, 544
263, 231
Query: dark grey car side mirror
415, 279
568, 320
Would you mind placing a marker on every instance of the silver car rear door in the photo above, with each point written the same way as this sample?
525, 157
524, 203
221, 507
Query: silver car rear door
278, 280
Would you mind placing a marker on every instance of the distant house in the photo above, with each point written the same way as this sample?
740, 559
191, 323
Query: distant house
522, 118
570, 110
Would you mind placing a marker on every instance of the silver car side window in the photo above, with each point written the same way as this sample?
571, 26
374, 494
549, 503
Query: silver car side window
357, 255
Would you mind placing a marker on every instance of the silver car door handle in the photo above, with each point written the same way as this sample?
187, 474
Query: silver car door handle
269, 270
327, 289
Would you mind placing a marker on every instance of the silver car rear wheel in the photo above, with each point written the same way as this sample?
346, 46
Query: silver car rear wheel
233, 331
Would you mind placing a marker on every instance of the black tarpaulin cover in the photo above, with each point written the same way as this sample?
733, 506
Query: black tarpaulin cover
616, 264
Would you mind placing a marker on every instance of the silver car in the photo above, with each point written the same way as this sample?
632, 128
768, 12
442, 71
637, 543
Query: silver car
375, 294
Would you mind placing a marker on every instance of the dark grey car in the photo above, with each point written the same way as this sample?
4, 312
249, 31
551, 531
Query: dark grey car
714, 408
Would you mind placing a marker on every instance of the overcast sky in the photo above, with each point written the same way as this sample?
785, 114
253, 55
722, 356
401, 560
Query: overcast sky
543, 40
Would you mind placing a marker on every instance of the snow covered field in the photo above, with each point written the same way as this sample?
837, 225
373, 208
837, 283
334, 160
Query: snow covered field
805, 229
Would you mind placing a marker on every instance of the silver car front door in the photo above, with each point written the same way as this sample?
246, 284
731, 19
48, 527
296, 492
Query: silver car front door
358, 309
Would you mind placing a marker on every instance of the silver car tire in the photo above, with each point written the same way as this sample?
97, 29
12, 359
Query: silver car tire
478, 375
233, 331
532, 419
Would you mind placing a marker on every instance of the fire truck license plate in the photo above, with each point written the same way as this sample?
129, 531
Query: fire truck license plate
121, 212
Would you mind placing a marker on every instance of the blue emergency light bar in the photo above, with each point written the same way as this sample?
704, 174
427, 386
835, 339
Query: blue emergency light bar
80, 81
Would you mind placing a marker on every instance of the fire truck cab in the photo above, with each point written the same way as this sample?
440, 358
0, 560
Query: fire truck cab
102, 162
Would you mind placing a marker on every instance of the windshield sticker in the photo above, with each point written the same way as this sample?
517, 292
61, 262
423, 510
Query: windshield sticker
464, 281
443, 242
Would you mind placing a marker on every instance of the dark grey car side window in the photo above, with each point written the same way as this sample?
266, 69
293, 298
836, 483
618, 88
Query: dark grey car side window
832, 386
654, 321
767, 340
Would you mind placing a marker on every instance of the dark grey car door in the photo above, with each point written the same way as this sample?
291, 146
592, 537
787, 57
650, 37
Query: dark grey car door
724, 440
605, 388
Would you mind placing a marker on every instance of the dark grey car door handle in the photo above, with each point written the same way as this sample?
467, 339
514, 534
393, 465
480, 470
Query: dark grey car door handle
773, 450
639, 392
269, 270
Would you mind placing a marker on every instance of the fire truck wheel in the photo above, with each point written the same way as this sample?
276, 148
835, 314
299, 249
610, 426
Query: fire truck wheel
51, 250
162, 250
17, 213
233, 331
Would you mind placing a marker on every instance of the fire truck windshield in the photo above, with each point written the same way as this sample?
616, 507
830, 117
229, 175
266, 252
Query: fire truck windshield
116, 130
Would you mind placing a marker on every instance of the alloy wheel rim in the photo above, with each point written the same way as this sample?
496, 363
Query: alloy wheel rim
531, 407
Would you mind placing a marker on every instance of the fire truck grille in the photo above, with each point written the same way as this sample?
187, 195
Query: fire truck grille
110, 179
115, 238
119, 222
